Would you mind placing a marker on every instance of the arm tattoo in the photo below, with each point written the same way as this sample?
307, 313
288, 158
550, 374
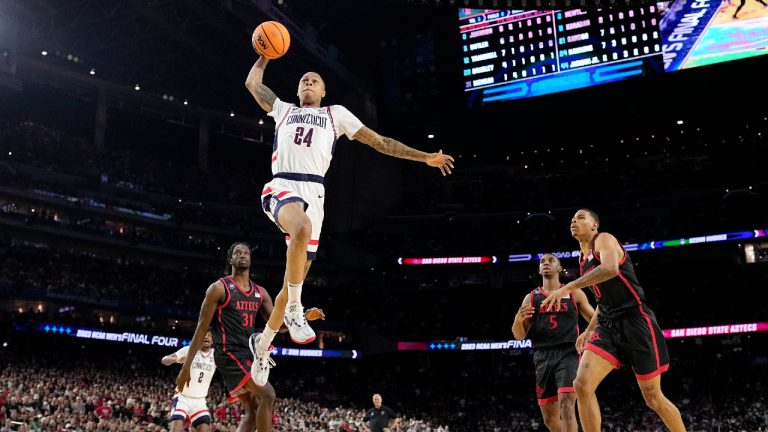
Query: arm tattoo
389, 146
264, 96
397, 149
599, 274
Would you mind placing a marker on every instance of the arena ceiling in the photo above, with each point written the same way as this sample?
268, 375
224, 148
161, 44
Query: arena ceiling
187, 48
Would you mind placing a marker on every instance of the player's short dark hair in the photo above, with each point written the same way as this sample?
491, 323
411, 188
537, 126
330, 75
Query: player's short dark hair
228, 258
593, 214
556, 257
319, 75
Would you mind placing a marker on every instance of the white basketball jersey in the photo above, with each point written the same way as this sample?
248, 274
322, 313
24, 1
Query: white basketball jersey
306, 137
201, 372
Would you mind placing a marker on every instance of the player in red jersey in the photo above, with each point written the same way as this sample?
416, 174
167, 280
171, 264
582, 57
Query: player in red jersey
229, 309
554, 333
623, 329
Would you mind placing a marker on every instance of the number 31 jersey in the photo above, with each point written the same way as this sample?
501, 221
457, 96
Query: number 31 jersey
305, 137
234, 320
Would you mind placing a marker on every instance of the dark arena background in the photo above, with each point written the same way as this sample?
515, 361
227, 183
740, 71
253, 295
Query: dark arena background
132, 156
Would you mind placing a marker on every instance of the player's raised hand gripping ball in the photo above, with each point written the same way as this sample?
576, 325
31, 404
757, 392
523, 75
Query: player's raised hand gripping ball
271, 40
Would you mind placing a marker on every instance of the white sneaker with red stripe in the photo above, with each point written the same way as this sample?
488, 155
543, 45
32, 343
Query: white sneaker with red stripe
298, 328
262, 362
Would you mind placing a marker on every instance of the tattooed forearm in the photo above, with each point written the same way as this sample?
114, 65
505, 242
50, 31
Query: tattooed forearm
389, 146
264, 95
395, 148
599, 274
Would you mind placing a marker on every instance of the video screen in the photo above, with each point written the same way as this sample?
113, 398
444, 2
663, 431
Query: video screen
704, 32
519, 54
515, 54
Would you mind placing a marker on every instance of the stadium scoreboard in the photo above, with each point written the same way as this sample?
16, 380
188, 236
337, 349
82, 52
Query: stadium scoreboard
511, 54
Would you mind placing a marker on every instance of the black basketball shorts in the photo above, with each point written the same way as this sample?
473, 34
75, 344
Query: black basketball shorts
634, 339
555, 371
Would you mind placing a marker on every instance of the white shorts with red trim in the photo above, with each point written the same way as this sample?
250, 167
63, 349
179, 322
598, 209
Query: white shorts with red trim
188, 407
280, 191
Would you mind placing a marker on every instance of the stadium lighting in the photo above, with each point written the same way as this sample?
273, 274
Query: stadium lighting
261, 121
137, 87
430, 136
231, 113
186, 102
45, 53
679, 122
93, 71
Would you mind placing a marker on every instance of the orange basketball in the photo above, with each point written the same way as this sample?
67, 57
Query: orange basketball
271, 39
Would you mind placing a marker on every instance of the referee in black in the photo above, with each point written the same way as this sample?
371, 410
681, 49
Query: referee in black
378, 417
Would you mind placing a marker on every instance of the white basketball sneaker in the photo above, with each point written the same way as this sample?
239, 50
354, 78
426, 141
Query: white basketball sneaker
262, 362
298, 328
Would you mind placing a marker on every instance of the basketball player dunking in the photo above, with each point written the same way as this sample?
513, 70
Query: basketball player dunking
305, 138
741, 5
623, 329
554, 333
229, 309
190, 402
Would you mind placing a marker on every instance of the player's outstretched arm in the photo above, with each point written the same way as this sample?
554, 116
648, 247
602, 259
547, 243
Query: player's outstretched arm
172, 358
611, 254
393, 147
213, 297
523, 319
263, 95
